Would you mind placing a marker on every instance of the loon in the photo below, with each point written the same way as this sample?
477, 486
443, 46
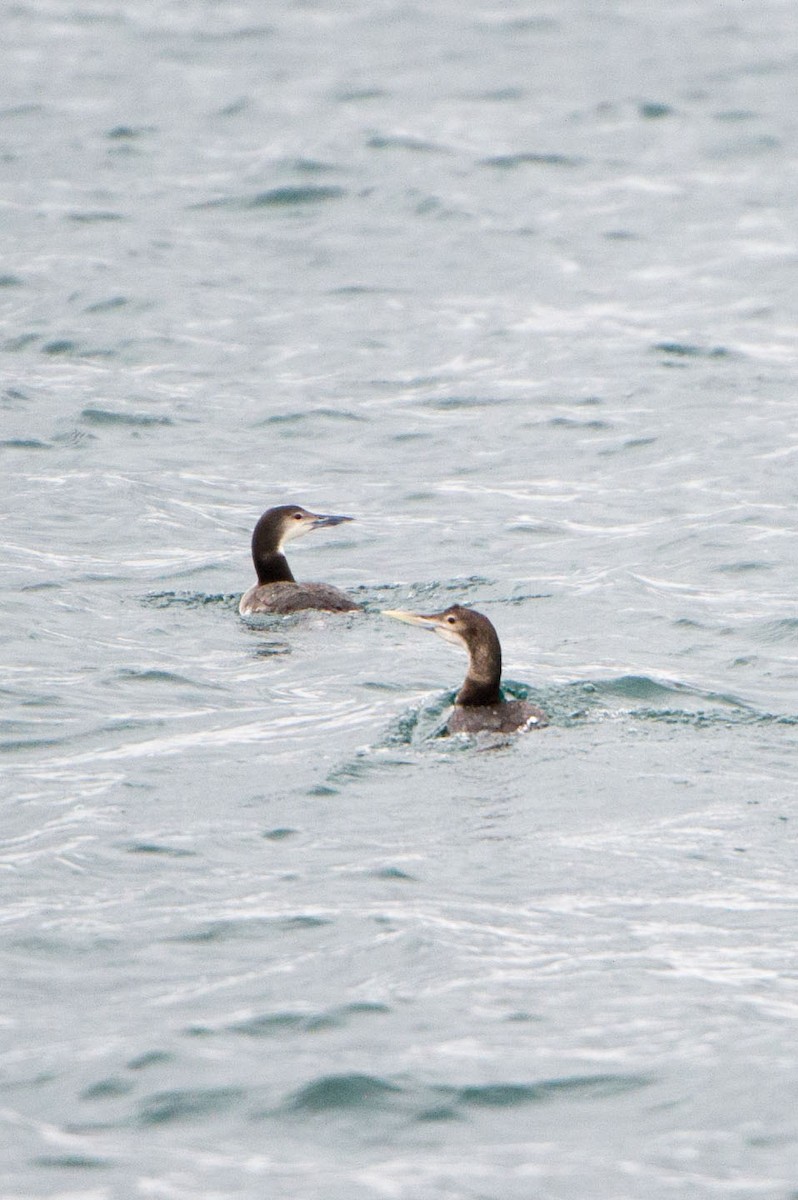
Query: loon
276, 590
478, 705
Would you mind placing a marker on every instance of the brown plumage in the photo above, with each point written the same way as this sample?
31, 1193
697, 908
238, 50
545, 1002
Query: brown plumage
276, 590
479, 704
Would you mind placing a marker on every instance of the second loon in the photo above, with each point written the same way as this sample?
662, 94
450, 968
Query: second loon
276, 590
479, 705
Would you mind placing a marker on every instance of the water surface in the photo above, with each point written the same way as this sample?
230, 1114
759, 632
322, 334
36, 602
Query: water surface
514, 287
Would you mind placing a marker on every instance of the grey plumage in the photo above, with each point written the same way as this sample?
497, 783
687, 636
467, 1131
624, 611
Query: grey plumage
276, 590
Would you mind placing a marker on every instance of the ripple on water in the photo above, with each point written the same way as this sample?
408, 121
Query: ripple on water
237, 928
783, 630
150, 1058
129, 132
505, 1095
334, 1092
652, 110
95, 216
105, 416
744, 567
444, 403
311, 166
190, 599
72, 1162
416, 726
280, 834
20, 342
463, 583
15, 744
180, 1105
688, 350
242, 33
573, 704
297, 418
287, 196
105, 1089
404, 141
268, 1025
156, 675
393, 873
508, 162
636, 687
669, 703
156, 848
352, 1092
109, 305
577, 423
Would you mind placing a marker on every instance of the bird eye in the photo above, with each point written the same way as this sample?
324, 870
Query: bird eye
450, 620
297, 516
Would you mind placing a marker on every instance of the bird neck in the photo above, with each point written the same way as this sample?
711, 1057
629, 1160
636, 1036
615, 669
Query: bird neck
474, 693
482, 683
271, 564
272, 568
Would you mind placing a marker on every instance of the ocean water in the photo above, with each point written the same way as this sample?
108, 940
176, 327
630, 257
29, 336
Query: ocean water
514, 286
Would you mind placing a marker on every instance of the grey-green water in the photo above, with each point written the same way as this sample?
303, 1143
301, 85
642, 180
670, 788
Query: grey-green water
514, 285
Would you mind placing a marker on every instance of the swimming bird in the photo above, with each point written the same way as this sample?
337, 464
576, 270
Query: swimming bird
276, 590
479, 704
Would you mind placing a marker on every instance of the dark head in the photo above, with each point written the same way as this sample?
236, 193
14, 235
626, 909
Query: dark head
476, 635
278, 526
